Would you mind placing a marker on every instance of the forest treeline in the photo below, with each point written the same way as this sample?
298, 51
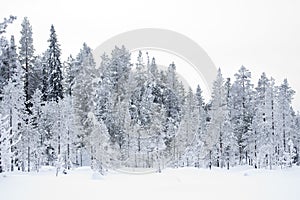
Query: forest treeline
129, 113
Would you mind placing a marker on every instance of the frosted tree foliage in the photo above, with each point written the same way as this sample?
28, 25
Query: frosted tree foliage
129, 113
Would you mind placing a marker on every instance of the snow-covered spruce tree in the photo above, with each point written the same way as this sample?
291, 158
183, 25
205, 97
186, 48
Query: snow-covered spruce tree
293, 141
242, 110
98, 143
202, 129
120, 65
187, 132
5, 71
152, 67
297, 138
177, 89
113, 92
13, 105
261, 139
37, 137
219, 129
156, 145
28, 145
141, 75
36, 75
83, 92
5, 128
5, 143
230, 141
44, 75
56, 130
52, 92
59, 118
54, 87
141, 112
283, 123
103, 90
69, 73
173, 108
52, 127
172, 80
127, 150
69, 132
26, 58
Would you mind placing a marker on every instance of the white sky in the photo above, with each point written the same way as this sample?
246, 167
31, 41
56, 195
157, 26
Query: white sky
261, 35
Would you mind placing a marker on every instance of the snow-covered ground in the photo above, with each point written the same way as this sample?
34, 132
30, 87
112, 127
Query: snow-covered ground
187, 183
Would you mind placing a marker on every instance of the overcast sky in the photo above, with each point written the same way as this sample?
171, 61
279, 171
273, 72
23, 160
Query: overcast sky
261, 35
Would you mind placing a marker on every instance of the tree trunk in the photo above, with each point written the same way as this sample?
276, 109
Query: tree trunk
28, 157
81, 158
68, 156
58, 147
210, 160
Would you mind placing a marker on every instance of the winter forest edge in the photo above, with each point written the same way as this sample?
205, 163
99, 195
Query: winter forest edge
123, 114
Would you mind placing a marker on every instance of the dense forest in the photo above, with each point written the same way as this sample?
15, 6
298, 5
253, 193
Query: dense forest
129, 113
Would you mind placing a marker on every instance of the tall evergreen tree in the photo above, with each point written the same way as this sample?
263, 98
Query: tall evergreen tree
115, 72
55, 88
4, 53
13, 103
83, 91
242, 110
26, 57
219, 129
284, 124
188, 131
261, 141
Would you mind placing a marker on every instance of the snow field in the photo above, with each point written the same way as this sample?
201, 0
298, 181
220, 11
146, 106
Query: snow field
241, 183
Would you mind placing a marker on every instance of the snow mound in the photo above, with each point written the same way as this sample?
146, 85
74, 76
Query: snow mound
97, 176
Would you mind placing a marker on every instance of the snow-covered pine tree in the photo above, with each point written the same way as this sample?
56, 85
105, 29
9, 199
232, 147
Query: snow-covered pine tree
51, 119
187, 132
104, 91
36, 74
26, 58
54, 87
173, 109
242, 110
69, 74
98, 143
141, 75
283, 122
297, 138
202, 129
5, 143
112, 93
261, 139
44, 75
5, 71
83, 92
69, 132
156, 143
172, 80
153, 69
217, 129
13, 103
37, 136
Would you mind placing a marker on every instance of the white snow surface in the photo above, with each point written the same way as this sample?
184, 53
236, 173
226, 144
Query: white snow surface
239, 183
